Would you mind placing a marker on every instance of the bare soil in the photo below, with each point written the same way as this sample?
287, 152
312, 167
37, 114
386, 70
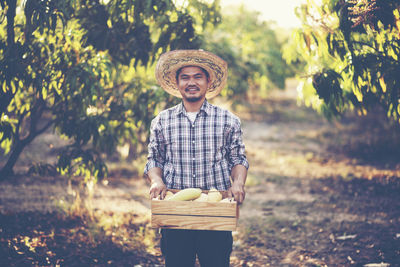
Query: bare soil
319, 193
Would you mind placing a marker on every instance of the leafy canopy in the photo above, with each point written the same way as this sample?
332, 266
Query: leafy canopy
253, 52
84, 68
350, 51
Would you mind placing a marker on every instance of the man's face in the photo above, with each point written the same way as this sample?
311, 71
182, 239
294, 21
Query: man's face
192, 84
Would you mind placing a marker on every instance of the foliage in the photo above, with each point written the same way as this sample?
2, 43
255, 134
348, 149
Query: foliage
252, 50
85, 69
351, 51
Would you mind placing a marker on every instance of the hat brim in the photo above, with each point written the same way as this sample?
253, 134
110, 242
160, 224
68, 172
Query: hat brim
170, 62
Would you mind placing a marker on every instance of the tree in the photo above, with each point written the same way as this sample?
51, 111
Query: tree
252, 50
351, 51
82, 67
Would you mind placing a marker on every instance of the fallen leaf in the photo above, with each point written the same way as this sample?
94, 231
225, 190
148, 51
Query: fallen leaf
345, 237
382, 264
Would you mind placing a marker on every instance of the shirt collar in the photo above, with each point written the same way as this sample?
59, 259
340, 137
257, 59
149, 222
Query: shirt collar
206, 107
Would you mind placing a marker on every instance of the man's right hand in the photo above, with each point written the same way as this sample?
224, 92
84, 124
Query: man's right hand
157, 188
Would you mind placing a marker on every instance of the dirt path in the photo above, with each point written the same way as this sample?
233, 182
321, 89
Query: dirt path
306, 204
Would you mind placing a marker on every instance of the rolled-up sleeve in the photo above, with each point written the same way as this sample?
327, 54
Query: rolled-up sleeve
156, 147
236, 153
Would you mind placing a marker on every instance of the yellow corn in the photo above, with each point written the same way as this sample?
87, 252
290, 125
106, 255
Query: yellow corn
186, 194
214, 195
202, 197
168, 195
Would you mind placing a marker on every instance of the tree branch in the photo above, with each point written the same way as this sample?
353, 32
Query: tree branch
12, 6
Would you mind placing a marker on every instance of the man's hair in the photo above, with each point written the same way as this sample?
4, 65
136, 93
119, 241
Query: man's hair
202, 69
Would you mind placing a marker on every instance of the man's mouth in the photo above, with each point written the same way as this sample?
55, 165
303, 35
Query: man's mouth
192, 89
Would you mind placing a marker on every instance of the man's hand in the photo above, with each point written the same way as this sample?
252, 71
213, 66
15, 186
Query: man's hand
237, 192
157, 188
239, 174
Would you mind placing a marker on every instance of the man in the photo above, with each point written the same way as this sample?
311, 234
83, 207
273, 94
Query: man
195, 144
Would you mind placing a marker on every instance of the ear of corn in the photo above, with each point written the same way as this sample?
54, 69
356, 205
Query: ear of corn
186, 194
202, 197
214, 195
168, 195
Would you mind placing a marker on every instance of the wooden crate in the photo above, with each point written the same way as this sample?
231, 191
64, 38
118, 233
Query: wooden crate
220, 216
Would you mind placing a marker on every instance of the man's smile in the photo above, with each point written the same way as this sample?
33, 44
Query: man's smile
192, 89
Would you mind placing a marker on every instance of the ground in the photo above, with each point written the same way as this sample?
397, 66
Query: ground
319, 193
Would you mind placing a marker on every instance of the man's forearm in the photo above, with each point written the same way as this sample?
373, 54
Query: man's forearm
155, 175
239, 174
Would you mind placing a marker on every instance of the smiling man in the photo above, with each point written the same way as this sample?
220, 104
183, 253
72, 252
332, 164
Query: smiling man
195, 145
192, 83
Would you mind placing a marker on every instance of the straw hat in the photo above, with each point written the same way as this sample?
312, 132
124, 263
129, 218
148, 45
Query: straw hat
172, 61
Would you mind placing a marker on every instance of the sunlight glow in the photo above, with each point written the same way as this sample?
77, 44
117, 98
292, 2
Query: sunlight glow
282, 11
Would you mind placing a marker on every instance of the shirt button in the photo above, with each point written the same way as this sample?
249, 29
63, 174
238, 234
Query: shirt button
193, 142
192, 125
193, 159
194, 175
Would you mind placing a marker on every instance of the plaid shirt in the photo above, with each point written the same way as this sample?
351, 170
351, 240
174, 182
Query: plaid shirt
200, 154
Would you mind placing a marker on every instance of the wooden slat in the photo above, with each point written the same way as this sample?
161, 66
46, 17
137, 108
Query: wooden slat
221, 209
193, 222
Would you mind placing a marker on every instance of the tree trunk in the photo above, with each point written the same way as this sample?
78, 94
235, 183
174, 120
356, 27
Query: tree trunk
7, 169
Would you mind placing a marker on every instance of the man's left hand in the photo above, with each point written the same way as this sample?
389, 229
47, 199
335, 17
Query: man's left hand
239, 174
237, 192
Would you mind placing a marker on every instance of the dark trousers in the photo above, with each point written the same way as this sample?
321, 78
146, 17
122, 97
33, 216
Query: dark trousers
180, 247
